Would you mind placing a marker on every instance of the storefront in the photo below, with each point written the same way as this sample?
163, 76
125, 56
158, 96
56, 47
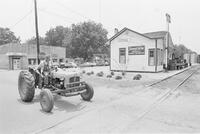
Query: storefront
136, 52
20, 56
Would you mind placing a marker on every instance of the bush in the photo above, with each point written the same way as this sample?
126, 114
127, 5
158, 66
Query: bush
123, 73
88, 73
83, 71
91, 72
112, 73
137, 77
109, 76
118, 77
100, 74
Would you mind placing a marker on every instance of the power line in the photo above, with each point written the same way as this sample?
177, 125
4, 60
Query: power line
21, 19
71, 10
57, 15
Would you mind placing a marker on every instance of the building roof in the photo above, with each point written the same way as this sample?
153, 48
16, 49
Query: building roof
123, 30
155, 35
151, 35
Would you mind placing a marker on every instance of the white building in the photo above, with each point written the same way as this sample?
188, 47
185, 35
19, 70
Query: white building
136, 52
191, 58
194, 58
187, 57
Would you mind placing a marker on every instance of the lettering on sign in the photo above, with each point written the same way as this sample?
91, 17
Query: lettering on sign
136, 50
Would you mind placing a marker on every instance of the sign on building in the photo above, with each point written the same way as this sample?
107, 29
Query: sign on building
136, 50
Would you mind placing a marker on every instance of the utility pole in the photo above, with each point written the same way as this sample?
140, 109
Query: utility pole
168, 20
36, 30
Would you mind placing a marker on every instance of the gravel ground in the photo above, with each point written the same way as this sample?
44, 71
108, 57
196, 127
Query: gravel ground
114, 109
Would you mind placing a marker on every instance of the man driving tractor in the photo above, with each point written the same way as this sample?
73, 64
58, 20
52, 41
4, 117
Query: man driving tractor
44, 69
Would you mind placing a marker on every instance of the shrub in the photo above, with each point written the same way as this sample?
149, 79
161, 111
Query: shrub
83, 71
100, 74
137, 77
118, 77
109, 76
91, 72
88, 73
123, 73
112, 73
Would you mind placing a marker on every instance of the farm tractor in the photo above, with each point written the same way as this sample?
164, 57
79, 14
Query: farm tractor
58, 82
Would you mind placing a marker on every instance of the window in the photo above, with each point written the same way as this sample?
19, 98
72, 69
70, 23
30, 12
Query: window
60, 60
151, 53
151, 57
32, 61
122, 55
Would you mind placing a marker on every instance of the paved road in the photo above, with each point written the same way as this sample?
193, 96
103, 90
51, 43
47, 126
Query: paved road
19, 117
114, 103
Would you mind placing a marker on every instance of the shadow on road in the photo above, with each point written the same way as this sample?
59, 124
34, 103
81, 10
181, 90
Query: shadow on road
36, 99
59, 104
63, 105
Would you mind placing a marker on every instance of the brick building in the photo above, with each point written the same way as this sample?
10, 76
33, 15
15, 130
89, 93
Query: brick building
20, 56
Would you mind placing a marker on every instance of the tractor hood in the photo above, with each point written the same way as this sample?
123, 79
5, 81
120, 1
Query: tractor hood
65, 73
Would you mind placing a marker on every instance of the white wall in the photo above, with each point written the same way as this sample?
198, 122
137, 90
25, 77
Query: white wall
193, 58
134, 62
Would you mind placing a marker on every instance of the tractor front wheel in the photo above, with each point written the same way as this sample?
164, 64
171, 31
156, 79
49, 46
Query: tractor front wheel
87, 96
46, 100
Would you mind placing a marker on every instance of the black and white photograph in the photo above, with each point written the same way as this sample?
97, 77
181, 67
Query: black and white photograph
99, 66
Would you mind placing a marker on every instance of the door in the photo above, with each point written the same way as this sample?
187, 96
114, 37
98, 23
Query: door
122, 55
16, 63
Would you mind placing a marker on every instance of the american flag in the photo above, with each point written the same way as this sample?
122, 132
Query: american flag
168, 18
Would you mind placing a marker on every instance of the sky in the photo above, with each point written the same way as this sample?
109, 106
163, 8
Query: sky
139, 15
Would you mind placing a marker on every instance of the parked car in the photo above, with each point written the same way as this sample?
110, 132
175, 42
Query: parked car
88, 64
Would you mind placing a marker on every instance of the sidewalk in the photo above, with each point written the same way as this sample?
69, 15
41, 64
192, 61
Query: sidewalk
147, 78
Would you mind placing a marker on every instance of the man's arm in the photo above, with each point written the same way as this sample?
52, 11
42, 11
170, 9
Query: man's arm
40, 67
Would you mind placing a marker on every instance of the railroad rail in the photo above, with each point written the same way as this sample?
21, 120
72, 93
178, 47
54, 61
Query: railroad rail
178, 80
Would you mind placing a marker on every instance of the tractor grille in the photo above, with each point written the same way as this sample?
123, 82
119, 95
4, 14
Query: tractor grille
74, 79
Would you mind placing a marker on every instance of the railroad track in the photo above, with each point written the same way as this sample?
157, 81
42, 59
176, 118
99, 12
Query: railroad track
178, 80
171, 85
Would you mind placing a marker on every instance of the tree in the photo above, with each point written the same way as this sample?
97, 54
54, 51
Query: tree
7, 36
180, 50
55, 36
87, 38
42, 41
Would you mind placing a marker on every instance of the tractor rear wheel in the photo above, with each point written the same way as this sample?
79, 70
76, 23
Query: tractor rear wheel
87, 96
26, 86
46, 100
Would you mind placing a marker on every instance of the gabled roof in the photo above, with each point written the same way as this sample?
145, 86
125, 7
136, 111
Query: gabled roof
155, 35
123, 30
